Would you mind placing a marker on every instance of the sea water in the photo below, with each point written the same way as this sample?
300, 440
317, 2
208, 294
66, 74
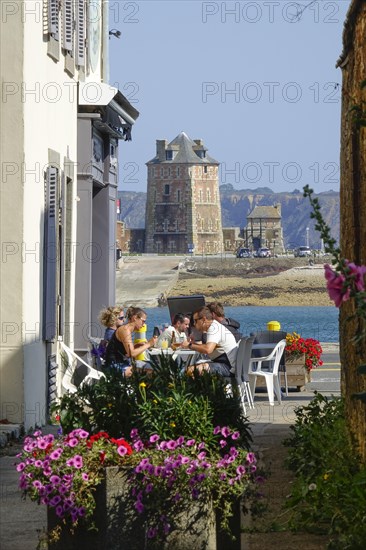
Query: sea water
320, 323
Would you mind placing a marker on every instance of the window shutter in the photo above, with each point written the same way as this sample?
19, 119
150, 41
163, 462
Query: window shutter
62, 249
50, 256
80, 33
53, 12
68, 25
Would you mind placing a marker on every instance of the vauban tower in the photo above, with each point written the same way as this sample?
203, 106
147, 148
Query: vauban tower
183, 211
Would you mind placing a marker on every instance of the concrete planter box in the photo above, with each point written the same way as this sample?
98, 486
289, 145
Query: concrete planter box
119, 529
297, 374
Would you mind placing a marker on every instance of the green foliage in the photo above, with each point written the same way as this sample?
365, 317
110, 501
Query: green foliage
329, 493
167, 402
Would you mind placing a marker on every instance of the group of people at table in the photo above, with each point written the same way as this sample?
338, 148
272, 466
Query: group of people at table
208, 334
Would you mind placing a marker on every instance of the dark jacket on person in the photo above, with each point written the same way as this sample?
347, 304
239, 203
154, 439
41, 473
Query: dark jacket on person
233, 326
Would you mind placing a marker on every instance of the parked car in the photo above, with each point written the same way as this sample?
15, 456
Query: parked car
302, 252
263, 253
243, 253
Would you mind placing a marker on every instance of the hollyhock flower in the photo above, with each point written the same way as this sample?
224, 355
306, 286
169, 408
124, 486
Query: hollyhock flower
337, 290
357, 273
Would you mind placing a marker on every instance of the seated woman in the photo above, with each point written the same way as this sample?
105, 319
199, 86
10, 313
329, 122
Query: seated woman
111, 317
121, 349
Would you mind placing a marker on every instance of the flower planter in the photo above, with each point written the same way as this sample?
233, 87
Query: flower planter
119, 528
297, 374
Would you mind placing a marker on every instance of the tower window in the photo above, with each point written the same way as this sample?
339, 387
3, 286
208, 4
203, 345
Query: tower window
178, 195
167, 189
169, 154
205, 169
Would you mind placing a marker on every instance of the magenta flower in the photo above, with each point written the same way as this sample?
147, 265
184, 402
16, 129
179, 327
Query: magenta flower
85, 476
55, 479
20, 467
337, 290
154, 438
73, 442
121, 450
59, 511
42, 444
225, 431
251, 458
75, 462
37, 484
235, 435
83, 434
139, 506
55, 455
190, 442
55, 500
358, 275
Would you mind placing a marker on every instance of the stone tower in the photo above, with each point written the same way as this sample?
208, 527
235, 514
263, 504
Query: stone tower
183, 210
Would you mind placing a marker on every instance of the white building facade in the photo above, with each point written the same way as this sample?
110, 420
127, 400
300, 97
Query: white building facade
60, 123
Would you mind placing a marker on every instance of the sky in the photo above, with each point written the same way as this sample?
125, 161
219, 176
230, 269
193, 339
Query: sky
256, 80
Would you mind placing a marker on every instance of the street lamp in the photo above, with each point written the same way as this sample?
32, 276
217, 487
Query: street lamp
307, 237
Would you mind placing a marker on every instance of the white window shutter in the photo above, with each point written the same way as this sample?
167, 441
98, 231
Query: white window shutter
68, 25
53, 18
80, 33
50, 255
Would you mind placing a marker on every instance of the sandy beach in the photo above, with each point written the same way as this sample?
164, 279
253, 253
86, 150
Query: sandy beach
298, 286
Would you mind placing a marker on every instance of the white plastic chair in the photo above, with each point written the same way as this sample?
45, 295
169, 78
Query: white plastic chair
271, 374
242, 364
73, 359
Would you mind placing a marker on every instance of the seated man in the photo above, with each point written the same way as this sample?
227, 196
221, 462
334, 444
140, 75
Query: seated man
177, 331
217, 310
220, 345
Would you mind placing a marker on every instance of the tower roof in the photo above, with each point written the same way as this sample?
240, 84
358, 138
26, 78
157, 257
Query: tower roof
187, 151
264, 212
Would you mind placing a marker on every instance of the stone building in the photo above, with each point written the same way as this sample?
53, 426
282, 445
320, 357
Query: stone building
183, 210
129, 240
264, 228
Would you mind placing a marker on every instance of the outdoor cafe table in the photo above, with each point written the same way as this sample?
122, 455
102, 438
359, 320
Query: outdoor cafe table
183, 353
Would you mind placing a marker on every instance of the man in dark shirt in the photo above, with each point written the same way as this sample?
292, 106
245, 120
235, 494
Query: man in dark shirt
218, 313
